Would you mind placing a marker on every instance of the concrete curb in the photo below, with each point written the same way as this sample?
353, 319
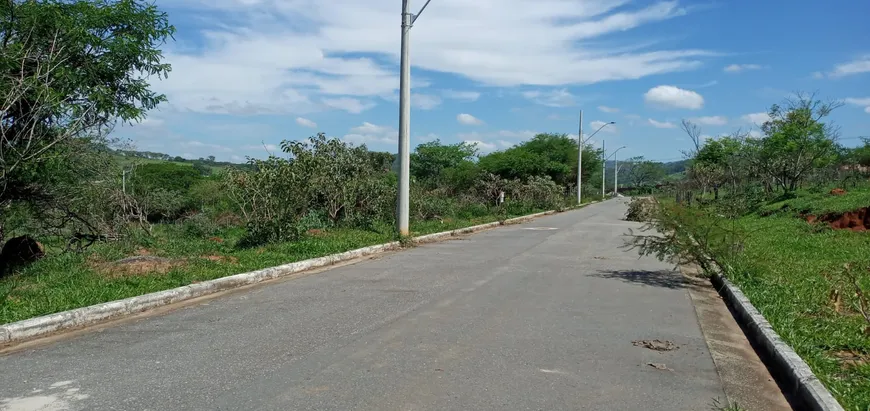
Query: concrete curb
20, 331
799, 379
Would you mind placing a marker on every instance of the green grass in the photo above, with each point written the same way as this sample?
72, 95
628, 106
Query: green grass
67, 281
820, 203
782, 271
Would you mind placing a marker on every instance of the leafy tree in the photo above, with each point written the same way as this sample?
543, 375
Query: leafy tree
796, 141
429, 159
69, 69
641, 173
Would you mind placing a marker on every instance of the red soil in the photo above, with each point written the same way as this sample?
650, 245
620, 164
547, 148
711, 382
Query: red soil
857, 220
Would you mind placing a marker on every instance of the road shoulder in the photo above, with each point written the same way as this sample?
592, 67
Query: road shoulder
745, 379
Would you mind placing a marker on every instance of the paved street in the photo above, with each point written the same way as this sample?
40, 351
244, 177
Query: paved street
537, 316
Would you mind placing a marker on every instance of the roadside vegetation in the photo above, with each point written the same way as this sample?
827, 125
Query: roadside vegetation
85, 218
784, 216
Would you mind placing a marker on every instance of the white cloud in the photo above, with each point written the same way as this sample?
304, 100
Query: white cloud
551, 98
304, 122
858, 101
710, 120
351, 105
608, 109
661, 124
755, 133
500, 140
865, 101
756, 118
461, 95
271, 148
818, 75
675, 97
369, 133
200, 144
468, 120
482, 146
257, 56
425, 101
600, 124
736, 68
857, 66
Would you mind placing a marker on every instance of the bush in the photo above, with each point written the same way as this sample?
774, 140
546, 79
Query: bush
640, 209
199, 225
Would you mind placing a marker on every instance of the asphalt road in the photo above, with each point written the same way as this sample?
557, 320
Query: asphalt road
538, 316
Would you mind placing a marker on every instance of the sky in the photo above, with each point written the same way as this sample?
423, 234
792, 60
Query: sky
247, 74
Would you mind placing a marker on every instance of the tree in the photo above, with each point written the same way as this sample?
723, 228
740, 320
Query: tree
70, 70
429, 159
554, 155
796, 140
641, 172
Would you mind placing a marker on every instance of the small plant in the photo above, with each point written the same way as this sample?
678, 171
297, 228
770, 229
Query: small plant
847, 288
718, 405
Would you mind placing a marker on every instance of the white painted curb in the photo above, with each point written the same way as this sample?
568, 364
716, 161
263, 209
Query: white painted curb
802, 383
20, 331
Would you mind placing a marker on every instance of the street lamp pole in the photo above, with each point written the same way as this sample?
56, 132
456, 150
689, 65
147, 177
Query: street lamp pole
615, 169
580, 143
403, 201
580, 160
603, 169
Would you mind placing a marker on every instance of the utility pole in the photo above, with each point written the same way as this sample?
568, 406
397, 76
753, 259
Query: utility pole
403, 201
580, 160
615, 174
603, 169
404, 125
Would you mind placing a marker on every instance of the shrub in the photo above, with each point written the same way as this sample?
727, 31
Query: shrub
199, 225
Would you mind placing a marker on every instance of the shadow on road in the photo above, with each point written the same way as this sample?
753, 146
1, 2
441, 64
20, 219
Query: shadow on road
662, 278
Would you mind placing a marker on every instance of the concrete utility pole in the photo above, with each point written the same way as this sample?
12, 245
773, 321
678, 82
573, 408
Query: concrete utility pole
403, 201
580, 142
580, 160
615, 169
603, 169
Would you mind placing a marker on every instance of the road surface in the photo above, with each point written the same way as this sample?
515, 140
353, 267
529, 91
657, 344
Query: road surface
537, 316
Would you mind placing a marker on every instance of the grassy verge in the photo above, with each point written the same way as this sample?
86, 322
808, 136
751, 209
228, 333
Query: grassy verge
67, 281
785, 270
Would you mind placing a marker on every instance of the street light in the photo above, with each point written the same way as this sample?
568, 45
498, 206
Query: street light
615, 170
580, 143
403, 200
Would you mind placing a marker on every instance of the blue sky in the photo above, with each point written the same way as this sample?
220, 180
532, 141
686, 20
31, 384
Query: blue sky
250, 73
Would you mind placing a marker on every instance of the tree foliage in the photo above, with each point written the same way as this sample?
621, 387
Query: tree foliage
69, 70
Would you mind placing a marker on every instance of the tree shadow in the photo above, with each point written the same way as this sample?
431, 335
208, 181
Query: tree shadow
662, 278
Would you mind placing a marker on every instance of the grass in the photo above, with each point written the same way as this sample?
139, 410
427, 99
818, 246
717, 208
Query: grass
820, 202
69, 280
783, 271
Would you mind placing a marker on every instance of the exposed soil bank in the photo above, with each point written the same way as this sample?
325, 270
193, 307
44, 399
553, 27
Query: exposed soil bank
857, 220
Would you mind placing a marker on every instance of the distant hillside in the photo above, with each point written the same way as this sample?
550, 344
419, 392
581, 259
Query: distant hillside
208, 165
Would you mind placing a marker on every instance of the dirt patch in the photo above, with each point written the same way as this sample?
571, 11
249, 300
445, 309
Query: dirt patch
838, 192
137, 265
143, 251
315, 232
851, 358
857, 220
222, 259
655, 345
216, 240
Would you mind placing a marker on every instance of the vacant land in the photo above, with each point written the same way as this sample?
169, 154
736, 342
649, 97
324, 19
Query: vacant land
171, 258
793, 272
